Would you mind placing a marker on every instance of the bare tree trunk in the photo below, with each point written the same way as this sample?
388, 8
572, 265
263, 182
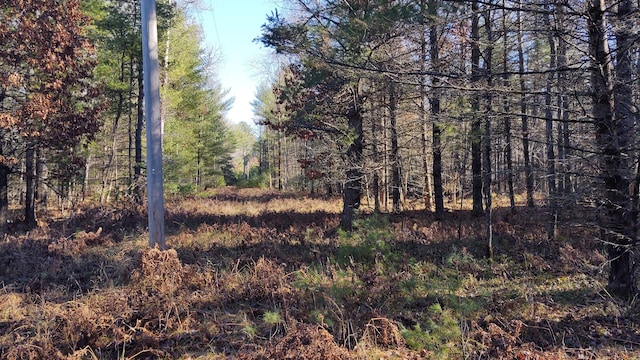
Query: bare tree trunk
286, 160
130, 132
476, 130
623, 18
385, 164
612, 137
563, 174
395, 150
507, 120
154, 174
625, 109
4, 179
137, 170
31, 183
564, 107
434, 52
135, 59
551, 170
626, 117
4, 193
377, 157
280, 182
85, 177
273, 163
487, 181
198, 164
428, 200
352, 191
41, 194
524, 117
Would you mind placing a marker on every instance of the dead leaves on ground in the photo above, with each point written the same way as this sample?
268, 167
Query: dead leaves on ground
255, 275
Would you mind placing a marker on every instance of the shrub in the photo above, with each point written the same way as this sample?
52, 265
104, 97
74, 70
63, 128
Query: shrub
370, 242
441, 334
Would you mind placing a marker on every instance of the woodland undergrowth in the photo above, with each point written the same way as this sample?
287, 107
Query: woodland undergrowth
256, 274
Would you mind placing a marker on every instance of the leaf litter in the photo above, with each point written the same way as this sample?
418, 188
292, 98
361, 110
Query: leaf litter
257, 274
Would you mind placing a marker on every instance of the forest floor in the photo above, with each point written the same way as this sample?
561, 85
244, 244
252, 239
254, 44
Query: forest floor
255, 274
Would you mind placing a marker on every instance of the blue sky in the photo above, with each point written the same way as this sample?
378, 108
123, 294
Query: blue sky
231, 26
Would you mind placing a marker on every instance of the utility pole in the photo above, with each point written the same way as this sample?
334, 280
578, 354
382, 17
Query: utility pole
155, 196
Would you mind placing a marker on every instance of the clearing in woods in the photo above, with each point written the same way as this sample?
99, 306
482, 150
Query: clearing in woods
256, 274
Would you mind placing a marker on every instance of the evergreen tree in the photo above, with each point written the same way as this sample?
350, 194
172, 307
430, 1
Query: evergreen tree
195, 106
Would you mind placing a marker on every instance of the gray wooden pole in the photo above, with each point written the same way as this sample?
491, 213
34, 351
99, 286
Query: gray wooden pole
155, 196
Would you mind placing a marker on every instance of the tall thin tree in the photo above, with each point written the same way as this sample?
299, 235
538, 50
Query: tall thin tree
155, 192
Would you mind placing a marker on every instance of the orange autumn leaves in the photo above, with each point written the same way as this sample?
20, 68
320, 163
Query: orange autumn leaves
47, 93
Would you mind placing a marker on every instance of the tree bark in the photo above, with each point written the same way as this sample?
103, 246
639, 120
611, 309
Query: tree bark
563, 108
377, 157
41, 175
507, 120
550, 166
130, 130
528, 172
30, 180
137, 169
612, 138
624, 114
487, 181
563, 177
395, 150
476, 127
279, 156
4, 194
434, 52
428, 199
352, 191
4, 179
